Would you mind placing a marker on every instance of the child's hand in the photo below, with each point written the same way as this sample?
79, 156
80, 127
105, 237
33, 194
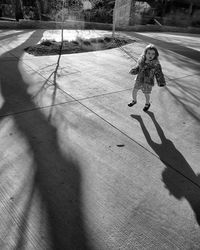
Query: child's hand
134, 71
162, 85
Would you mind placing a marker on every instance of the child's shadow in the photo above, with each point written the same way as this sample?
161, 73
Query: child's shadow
178, 176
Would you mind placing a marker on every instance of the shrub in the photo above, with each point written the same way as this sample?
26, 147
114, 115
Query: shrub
46, 42
178, 18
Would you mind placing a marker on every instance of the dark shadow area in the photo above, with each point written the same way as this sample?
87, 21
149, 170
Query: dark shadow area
57, 176
184, 51
178, 176
4, 37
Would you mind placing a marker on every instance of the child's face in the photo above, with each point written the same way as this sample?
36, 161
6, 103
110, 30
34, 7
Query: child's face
150, 54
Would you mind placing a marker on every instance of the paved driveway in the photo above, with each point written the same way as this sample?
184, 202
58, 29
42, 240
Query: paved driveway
79, 168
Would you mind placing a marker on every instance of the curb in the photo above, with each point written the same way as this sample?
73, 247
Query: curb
71, 24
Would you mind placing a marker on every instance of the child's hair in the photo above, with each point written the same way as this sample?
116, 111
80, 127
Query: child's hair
148, 47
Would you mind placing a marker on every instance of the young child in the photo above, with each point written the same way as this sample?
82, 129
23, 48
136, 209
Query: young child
148, 67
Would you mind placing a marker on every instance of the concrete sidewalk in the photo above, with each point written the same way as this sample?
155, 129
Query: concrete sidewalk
79, 168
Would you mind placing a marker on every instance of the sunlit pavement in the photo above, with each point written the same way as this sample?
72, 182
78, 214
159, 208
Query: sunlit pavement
187, 40
79, 168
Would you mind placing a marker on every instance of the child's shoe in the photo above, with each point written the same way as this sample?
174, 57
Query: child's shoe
132, 103
146, 107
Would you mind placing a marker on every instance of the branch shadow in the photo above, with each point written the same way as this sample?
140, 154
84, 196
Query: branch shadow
177, 48
178, 176
56, 177
182, 61
188, 102
7, 36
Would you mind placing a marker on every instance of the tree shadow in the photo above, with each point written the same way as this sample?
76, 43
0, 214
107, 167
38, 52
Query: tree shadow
178, 176
182, 62
13, 35
56, 177
187, 97
177, 48
185, 89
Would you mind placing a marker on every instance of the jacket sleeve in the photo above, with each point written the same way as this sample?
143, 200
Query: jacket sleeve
160, 76
134, 70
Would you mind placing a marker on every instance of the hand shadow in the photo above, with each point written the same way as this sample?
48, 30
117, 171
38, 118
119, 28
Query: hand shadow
178, 176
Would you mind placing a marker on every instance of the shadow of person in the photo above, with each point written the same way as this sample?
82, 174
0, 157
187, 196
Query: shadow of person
178, 176
57, 176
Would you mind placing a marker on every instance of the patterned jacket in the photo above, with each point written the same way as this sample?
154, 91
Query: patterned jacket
146, 73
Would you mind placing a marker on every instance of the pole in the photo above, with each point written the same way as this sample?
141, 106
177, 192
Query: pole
114, 18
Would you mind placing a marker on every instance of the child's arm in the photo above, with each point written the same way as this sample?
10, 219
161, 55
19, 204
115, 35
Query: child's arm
134, 70
160, 76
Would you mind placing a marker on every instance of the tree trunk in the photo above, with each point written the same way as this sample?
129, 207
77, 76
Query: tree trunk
38, 4
18, 9
190, 9
164, 8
